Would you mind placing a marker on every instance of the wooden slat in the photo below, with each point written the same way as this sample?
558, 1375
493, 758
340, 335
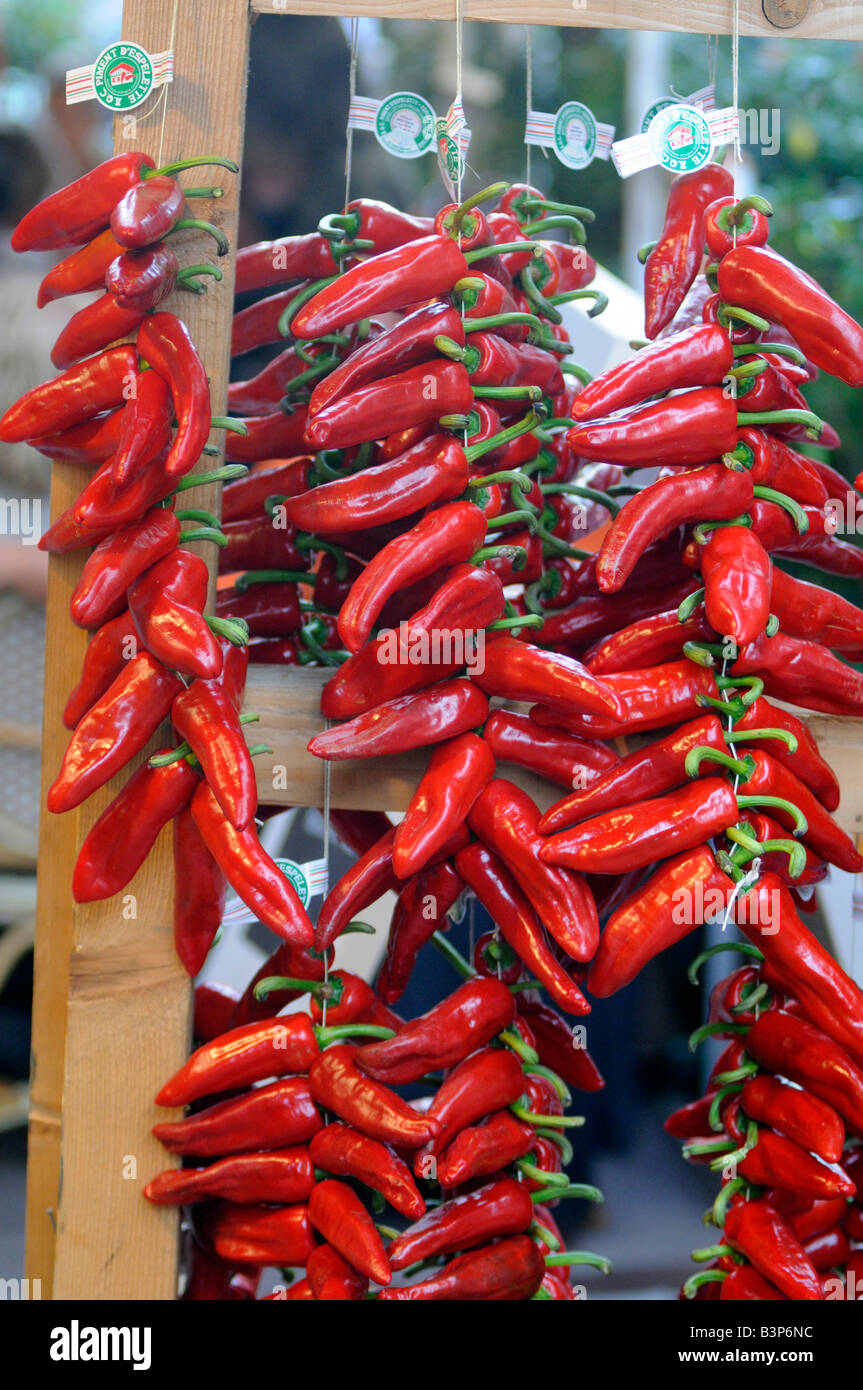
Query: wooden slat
288, 701
823, 19
127, 1019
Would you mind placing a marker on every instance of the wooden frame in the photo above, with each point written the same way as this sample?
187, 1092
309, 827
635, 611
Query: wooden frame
111, 1013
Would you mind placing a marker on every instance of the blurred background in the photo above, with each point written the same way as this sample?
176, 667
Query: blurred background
294, 173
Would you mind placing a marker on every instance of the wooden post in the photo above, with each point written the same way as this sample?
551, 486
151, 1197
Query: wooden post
112, 1004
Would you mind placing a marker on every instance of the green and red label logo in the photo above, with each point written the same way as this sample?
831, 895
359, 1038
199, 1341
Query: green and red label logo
122, 76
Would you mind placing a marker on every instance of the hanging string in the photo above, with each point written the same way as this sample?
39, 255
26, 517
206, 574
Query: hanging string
735, 83
459, 53
528, 99
168, 85
352, 91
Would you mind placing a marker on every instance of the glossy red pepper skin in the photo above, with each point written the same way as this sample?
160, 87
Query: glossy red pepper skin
556, 755
142, 279
478, 1151
273, 1116
557, 1045
563, 267
819, 615
113, 730
693, 427
592, 617
262, 393
167, 604
421, 395
164, 341
412, 274
364, 882
645, 773
641, 833
346, 1152
797, 1050
506, 819
268, 263
721, 236
338, 1214
470, 1017
285, 1175
655, 639
500, 1208
673, 263
80, 272
147, 211
518, 671
407, 343
104, 506
252, 1052
700, 355
78, 394
254, 543
280, 1236
691, 1121
736, 571
258, 325
775, 464
287, 959
413, 721
759, 1232
805, 762
823, 834
421, 910
338, 1085
119, 842
508, 1271
773, 287
332, 1279
829, 1250
777, 1161
801, 1117
107, 652
744, 1284
710, 493
250, 870
91, 442
82, 209
488, 1080
448, 535
492, 361
269, 610
145, 426
206, 718
456, 774
655, 917
246, 497
468, 599
358, 1003
654, 697
92, 329
512, 911
199, 894
829, 996
214, 1008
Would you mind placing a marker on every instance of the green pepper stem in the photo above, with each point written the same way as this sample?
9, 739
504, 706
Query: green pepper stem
540, 1232
511, 1039
541, 1175
567, 1152
189, 271
591, 494
754, 687
321, 367
196, 162
738, 1074
563, 1091
579, 1257
703, 1276
531, 620
778, 349
689, 605
744, 948
276, 984
813, 425
708, 1030
483, 325
234, 630
710, 1252
737, 1155
701, 532
455, 958
713, 1117
600, 300
485, 195
644, 251
199, 225
708, 1146
251, 577
526, 201
226, 474
339, 226
507, 393
197, 514
799, 517
535, 296
743, 767
549, 1121
784, 736
204, 533
482, 253
302, 297
515, 554
580, 373
801, 824
752, 997
325, 1036
564, 221
584, 1190
724, 1199
749, 369
734, 311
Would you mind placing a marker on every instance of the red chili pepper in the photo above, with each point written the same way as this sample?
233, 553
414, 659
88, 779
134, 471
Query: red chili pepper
78, 394
736, 571
124, 834
653, 697
245, 498
286, 960
92, 441
164, 341
456, 774
206, 717
748, 227
363, 883
512, 911
775, 464
592, 618
797, 1050
411, 274
805, 1119
214, 1008
655, 639
711, 493
693, 427
276, 262
421, 910
281, 1236
145, 426
759, 1232
772, 778
257, 543
672, 903
641, 833
113, 730
147, 211
481, 1150
269, 610
558, 1047
107, 653
250, 870
332, 1279
338, 1214
353, 1001
142, 279
413, 721
830, 997
470, 1017
698, 356
81, 272
79, 211
771, 286
644, 773
117, 562
93, 328
554, 754
805, 761
167, 605
510, 1270
492, 361
199, 894
346, 1152
274, 1047
744, 1284
421, 395
488, 1080
506, 820
338, 1085
517, 671
258, 325
829, 1250
691, 1121
819, 615
500, 1208
673, 262
272, 1117
285, 1175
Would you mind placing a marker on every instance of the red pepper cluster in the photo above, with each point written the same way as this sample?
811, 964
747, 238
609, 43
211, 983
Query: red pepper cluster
474, 1167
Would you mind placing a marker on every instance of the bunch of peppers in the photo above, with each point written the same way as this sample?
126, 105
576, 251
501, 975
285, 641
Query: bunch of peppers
313, 1143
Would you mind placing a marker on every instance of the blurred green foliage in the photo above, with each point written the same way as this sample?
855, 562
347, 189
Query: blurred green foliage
30, 29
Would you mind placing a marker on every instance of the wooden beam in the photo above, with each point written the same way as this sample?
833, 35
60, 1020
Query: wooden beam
798, 19
288, 701
112, 1004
